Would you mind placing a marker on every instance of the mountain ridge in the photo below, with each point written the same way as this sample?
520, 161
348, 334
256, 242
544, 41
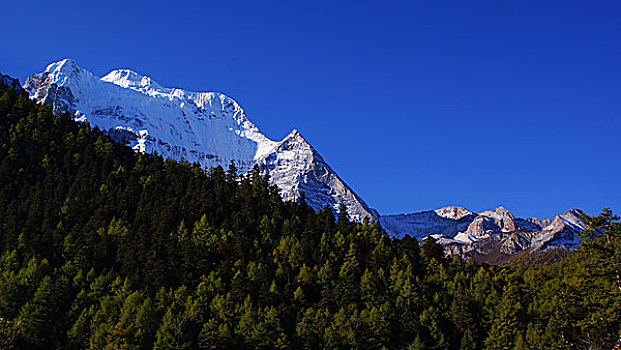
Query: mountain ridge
495, 233
205, 127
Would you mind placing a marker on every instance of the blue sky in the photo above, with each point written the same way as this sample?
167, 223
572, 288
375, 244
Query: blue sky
416, 105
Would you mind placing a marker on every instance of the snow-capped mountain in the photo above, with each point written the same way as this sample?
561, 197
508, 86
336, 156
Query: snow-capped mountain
296, 167
205, 127
492, 235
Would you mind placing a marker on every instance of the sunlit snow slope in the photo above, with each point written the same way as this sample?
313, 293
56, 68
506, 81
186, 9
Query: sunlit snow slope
205, 127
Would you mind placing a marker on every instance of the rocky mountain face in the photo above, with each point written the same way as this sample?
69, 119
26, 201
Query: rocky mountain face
205, 127
493, 236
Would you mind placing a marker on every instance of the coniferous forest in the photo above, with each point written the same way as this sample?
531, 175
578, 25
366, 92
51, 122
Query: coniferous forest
104, 248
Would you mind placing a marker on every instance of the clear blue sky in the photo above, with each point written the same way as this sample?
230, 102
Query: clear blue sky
416, 105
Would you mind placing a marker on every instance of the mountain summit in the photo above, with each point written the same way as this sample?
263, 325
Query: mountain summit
205, 127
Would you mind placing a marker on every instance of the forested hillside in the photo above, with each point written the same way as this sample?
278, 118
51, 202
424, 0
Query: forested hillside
103, 248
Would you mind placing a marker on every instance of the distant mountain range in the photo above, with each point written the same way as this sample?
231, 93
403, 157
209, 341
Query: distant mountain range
213, 130
493, 236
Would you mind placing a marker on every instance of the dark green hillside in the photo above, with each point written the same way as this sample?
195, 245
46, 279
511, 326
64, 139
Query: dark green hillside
103, 248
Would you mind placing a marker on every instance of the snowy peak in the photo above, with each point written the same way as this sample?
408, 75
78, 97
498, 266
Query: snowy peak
502, 218
452, 212
482, 226
64, 67
49, 86
211, 103
571, 219
497, 212
294, 135
295, 140
299, 170
67, 70
129, 79
205, 127
574, 218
